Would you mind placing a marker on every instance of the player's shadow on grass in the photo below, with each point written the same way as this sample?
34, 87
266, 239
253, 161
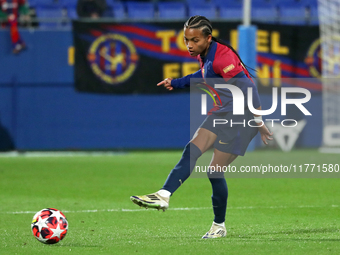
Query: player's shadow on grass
252, 237
302, 231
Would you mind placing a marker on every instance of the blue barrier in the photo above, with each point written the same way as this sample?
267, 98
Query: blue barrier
44, 61
60, 118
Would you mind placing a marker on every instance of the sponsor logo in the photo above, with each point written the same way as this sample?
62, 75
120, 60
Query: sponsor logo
228, 68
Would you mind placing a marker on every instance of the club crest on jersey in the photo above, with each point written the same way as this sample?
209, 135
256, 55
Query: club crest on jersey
113, 58
228, 68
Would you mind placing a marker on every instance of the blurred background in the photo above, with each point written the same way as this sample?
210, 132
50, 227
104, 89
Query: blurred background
63, 86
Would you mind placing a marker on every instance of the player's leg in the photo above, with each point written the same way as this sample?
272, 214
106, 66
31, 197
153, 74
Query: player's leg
201, 142
230, 142
219, 192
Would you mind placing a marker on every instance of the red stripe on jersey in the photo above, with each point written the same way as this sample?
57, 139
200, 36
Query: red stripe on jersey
226, 62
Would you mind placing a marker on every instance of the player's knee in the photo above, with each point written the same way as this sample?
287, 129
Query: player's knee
192, 151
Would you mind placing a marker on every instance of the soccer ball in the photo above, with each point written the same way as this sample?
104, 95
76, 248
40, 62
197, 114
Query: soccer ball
49, 226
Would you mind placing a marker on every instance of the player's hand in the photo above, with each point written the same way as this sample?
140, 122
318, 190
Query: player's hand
265, 133
166, 83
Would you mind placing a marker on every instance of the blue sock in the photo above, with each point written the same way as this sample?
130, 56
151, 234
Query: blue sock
219, 196
183, 169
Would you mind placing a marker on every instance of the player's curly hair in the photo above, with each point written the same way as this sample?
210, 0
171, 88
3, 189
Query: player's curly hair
202, 23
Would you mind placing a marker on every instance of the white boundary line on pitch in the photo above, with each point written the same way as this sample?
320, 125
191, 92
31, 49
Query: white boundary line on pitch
182, 209
42, 154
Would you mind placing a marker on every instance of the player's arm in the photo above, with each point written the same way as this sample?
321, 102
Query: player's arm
265, 133
183, 82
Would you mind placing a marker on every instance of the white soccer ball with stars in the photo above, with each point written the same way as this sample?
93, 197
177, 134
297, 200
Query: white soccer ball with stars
49, 226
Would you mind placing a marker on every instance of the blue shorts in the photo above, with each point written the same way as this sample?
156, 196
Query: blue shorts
233, 132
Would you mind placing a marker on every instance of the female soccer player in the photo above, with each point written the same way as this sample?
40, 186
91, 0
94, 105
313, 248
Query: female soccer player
217, 60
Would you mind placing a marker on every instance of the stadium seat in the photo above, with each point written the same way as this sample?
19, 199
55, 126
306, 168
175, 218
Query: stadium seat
264, 12
312, 11
50, 16
193, 2
68, 3
294, 14
172, 10
38, 3
207, 10
313, 15
140, 10
262, 2
310, 3
111, 3
231, 10
222, 2
72, 12
117, 10
32, 3
230, 3
71, 15
286, 2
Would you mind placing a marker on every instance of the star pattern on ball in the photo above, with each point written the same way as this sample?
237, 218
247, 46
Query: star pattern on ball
41, 223
57, 231
56, 214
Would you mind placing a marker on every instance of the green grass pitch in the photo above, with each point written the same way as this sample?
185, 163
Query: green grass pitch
264, 216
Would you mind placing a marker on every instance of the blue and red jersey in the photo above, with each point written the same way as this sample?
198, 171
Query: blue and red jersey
222, 62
